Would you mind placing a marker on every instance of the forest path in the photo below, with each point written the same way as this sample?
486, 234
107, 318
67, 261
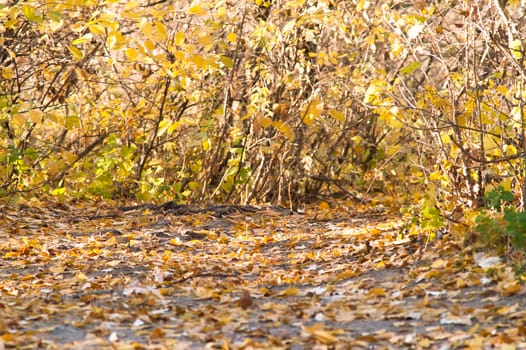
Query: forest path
239, 277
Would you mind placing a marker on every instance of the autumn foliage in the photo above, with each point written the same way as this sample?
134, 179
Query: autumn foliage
262, 174
263, 101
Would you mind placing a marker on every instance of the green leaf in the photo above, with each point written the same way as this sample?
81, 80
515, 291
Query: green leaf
410, 68
31, 14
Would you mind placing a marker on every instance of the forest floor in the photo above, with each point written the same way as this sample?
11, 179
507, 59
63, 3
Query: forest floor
179, 277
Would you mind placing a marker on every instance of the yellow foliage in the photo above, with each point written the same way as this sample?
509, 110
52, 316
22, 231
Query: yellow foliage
336, 114
284, 129
96, 28
160, 31
313, 110
76, 53
517, 48
179, 38
231, 37
7, 73
196, 9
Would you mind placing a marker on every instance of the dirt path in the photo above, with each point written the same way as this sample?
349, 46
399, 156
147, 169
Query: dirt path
150, 278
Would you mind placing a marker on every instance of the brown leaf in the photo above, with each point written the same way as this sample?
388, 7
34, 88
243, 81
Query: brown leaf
156, 334
245, 301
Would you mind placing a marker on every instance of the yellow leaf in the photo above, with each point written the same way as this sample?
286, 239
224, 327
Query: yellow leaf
345, 275
35, 116
76, 53
77, 27
424, 343
516, 48
510, 150
115, 40
147, 29
285, 129
179, 38
163, 126
196, 10
231, 37
149, 45
374, 231
18, 120
131, 53
314, 110
31, 14
211, 62
175, 241
339, 116
160, 31
227, 61
324, 206
193, 185
265, 122
373, 92
376, 292
507, 309
81, 277
206, 40
7, 73
56, 22
199, 61
96, 28
83, 39
508, 288
288, 292
130, 5
206, 144
436, 175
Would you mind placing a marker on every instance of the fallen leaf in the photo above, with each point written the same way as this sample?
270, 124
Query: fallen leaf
288, 292
318, 331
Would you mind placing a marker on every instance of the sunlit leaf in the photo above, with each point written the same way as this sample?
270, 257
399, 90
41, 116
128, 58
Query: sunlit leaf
206, 40
131, 54
336, 114
227, 61
83, 39
96, 28
516, 48
197, 10
288, 292
206, 144
179, 38
131, 5
313, 111
285, 129
149, 45
231, 37
76, 53
7, 73
160, 31
115, 40
31, 14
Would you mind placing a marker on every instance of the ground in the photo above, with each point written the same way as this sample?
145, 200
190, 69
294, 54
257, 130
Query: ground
239, 277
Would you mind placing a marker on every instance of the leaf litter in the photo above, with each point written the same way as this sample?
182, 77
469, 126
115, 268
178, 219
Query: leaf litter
240, 277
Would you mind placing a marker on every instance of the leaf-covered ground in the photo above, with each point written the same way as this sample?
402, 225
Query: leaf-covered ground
177, 277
